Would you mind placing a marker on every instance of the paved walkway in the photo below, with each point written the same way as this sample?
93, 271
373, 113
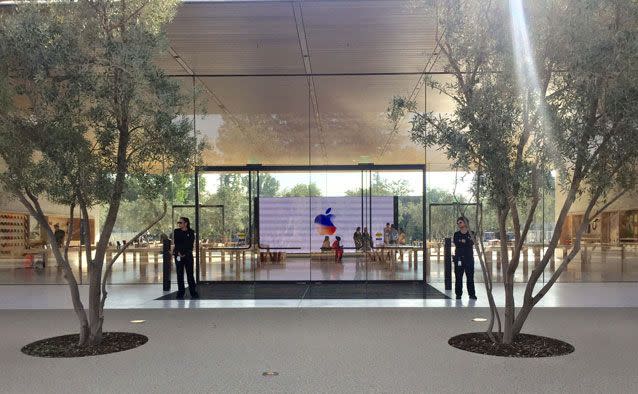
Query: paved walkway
322, 350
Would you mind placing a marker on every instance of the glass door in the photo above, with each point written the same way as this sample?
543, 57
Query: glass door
223, 226
310, 223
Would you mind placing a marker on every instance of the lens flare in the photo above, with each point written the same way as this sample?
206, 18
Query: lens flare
526, 71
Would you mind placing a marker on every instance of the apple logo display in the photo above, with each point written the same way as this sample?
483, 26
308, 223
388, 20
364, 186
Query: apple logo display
324, 223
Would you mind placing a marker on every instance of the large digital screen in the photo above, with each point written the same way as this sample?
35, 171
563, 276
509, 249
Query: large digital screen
300, 224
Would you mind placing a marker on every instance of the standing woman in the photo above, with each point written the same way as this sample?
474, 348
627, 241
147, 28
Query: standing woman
463, 259
184, 239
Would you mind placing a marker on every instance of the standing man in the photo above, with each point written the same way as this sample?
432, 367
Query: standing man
463, 259
357, 237
387, 230
59, 235
184, 239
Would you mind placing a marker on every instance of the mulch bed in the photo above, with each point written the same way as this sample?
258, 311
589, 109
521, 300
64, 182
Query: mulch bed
524, 345
67, 345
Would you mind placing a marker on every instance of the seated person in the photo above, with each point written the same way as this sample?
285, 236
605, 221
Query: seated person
338, 247
402, 241
402, 237
325, 246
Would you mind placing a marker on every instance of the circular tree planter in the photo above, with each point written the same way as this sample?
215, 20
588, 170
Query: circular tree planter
523, 346
67, 345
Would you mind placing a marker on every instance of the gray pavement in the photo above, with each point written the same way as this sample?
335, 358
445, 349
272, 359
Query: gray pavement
375, 350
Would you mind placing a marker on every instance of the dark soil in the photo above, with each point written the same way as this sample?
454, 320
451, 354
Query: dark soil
524, 345
67, 345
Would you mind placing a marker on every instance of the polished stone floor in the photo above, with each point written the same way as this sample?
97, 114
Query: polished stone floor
598, 265
144, 296
313, 291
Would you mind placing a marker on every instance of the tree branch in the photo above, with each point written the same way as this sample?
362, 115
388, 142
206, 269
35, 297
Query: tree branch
109, 266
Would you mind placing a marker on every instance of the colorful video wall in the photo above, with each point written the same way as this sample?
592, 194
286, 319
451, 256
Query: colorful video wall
299, 224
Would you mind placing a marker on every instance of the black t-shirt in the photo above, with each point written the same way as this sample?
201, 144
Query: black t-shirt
463, 245
183, 241
59, 236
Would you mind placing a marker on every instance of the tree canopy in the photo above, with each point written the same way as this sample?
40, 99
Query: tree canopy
87, 118
538, 86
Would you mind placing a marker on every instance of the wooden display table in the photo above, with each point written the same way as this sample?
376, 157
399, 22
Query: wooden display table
388, 253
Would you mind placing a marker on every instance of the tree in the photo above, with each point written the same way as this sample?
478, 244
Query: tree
84, 113
569, 106
137, 208
268, 185
383, 187
303, 190
232, 194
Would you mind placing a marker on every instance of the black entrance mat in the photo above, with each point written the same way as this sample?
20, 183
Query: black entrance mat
314, 291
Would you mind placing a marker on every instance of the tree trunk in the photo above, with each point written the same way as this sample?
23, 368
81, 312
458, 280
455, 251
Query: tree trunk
95, 310
509, 314
36, 211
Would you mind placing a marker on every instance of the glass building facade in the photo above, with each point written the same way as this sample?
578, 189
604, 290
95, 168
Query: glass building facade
290, 100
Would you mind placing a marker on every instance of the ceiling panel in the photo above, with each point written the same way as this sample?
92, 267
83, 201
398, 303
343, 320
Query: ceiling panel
237, 38
368, 36
266, 119
258, 95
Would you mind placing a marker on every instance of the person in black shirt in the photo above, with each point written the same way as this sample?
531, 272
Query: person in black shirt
357, 237
463, 259
183, 239
59, 235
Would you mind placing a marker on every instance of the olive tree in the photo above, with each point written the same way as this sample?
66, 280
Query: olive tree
543, 86
84, 111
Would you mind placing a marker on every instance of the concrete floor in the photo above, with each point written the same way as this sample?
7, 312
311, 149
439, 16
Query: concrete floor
322, 350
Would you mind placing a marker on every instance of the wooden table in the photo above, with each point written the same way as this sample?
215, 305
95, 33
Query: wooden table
388, 253
143, 251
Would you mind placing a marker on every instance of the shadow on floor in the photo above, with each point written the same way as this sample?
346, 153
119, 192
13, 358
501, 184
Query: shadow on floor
315, 291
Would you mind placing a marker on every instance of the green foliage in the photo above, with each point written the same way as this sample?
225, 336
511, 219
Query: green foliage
232, 194
87, 118
86, 114
303, 190
268, 185
514, 132
383, 187
538, 86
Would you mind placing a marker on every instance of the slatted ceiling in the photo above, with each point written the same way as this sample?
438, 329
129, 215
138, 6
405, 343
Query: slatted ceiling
259, 95
169, 64
367, 36
362, 93
349, 36
237, 38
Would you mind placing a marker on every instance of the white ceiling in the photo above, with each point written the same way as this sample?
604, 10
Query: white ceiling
243, 53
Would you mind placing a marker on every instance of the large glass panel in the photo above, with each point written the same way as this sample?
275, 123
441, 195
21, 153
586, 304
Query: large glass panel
252, 120
283, 211
396, 225
337, 211
448, 195
224, 223
25, 257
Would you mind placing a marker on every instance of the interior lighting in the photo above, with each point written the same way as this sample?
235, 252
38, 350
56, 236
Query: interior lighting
270, 373
137, 321
479, 319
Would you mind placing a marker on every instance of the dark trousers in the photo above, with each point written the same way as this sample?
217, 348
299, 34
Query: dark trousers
186, 262
466, 267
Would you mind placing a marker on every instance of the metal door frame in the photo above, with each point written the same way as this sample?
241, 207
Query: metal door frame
256, 169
